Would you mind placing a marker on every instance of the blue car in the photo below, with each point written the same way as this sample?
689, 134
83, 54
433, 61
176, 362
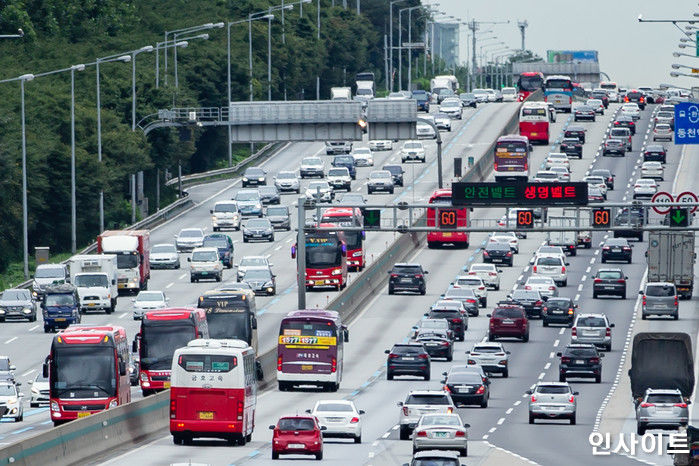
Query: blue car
224, 244
346, 161
423, 100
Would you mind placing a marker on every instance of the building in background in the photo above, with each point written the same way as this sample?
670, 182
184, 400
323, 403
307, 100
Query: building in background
446, 43
572, 56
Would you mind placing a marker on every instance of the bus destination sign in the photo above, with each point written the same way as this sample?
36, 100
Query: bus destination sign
519, 194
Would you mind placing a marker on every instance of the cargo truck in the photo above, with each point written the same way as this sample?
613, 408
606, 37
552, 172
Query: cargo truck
132, 248
567, 240
671, 258
340, 93
95, 276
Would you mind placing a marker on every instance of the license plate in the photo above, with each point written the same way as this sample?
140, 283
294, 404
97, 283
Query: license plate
297, 445
121, 285
616, 250
83, 414
406, 280
447, 235
534, 134
579, 361
257, 236
508, 321
319, 282
557, 312
166, 384
496, 260
206, 415
91, 304
204, 273
60, 319
440, 434
307, 367
608, 287
408, 359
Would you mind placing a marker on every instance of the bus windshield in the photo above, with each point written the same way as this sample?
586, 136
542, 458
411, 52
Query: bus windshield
83, 371
304, 328
530, 83
536, 111
564, 84
228, 317
159, 343
323, 252
353, 239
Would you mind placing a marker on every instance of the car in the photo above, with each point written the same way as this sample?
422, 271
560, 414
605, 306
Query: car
254, 176
491, 356
408, 359
659, 298
543, 284
663, 131
396, 172
594, 194
279, 217
381, 144
580, 360
563, 172
616, 249
269, 195
557, 158
422, 98
204, 263
363, 157
467, 388
661, 409
339, 178
312, 167
407, 277
287, 181
146, 301
624, 121
607, 175
318, 191
632, 111
508, 237
249, 203
666, 117
224, 244
12, 399
189, 238
434, 457
338, 147
7, 369
637, 97
432, 326
468, 99
468, 369
552, 400
397, 96
418, 402
440, 432
297, 435
597, 104
451, 107
624, 134
346, 161
261, 280
380, 180
509, 94
572, 147
552, 266
251, 262
558, 311
444, 93
454, 313
602, 95
498, 252
466, 296
508, 320
644, 188
40, 390
598, 182
258, 229
632, 219
134, 369
609, 281
546, 250
545, 176
423, 130
17, 303
437, 345
655, 153
164, 256
486, 272
481, 95
341, 418
493, 95
614, 146
593, 329
474, 283
46, 275
584, 112
442, 121
225, 214
531, 300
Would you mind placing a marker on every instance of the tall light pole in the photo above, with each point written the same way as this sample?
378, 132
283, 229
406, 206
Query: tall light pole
182, 42
188, 30
318, 38
264, 14
389, 87
147, 48
400, 43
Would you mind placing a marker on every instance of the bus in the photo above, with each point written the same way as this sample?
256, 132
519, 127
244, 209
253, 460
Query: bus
161, 333
326, 258
310, 349
87, 371
446, 218
349, 216
558, 90
534, 118
528, 83
213, 391
511, 158
612, 89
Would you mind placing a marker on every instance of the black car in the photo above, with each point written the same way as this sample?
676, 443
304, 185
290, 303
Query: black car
466, 297
616, 249
531, 300
396, 172
346, 161
580, 360
467, 388
437, 345
407, 277
408, 359
584, 112
632, 218
572, 146
453, 316
609, 282
607, 175
574, 131
558, 310
261, 280
254, 176
614, 146
468, 99
498, 252
258, 229
601, 95
423, 100
269, 195
224, 244
655, 153
17, 303
134, 370
625, 122
637, 97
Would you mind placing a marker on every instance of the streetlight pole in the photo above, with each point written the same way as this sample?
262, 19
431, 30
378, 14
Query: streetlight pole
389, 87
73, 209
201, 27
147, 48
269, 57
181, 42
25, 234
400, 42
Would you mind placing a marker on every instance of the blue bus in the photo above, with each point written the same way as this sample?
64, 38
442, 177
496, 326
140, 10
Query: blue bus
558, 90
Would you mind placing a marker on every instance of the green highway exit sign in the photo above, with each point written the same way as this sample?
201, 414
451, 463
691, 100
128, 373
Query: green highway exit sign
372, 218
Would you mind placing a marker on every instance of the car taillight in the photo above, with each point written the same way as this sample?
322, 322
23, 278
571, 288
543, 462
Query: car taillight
492, 274
527, 287
563, 269
472, 301
392, 356
485, 253
173, 408
676, 302
333, 365
460, 433
472, 273
552, 288
594, 360
533, 398
571, 399
574, 331
526, 165
419, 275
354, 420
481, 390
538, 303
481, 288
546, 98
240, 410
608, 332
565, 359
421, 433
394, 275
570, 100
450, 410
279, 363
509, 253
647, 405
471, 361
422, 356
406, 411
495, 166
644, 300
680, 405
447, 389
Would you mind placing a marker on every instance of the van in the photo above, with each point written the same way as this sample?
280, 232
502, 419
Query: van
622, 133
660, 298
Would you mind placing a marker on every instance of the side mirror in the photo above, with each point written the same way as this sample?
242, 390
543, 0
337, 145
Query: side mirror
559, 354
271, 427
308, 411
576, 393
189, 259
346, 334
133, 300
626, 278
640, 292
12, 367
45, 369
489, 315
529, 392
387, 351
114, 281
400, 403
122, 368
567, 263
361, 411
323, 428
425, 272
293, 251
601, 355
466, 425
134, 347
211, 211
611, 325
507, 352
31, 382
467, 352
443, 381
499, 270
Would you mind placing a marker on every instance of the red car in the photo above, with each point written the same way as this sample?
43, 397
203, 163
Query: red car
297, 435
508, 320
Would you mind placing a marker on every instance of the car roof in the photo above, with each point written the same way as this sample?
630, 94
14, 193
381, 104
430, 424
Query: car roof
488, 344
427, 392
406, 264
435, 454
591, 314
559, 384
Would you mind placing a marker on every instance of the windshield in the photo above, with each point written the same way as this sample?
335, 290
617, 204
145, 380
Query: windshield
159, 343
381, 174
590, 322
165, 249
253, 261
127, 261
291, 423
609, 274
664, 398
486, 349
318, 184
338, 172
98, 280
343, 160
303, 328
286, 175
150, 296
268, 190
528, 111
426, 399
558, 302
50, 272
525, 294
277, 211
219, 243
660, 290
247, 196
15, 295
436, 461
204, 256
558, 84
254, 173
226, 208
507, 313
440, 420
62, 299
8, 390
84, 371
335, 407
258, 223
227, 317
549, 261
530, 83
482, 268
553, 389
353, 239
257, 274
413, 145
190, 234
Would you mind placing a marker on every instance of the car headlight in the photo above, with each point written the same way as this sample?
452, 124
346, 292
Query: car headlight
245, 179
35, 390
54, 406
337, 271
113, 404
258, 206
2, 311
26, 310
260, 179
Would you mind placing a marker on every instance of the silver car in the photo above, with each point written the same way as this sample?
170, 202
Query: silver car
552, 400
660, 298
432, 326
491, 356
419, 402
544, 285
552, 266
40, 390
474, 283
287, 181
441, 432
251, 262
661, 409
380, 180
189, 238
486, 272
146, 301
594, 329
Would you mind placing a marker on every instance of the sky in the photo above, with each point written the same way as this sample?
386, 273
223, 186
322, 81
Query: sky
631, 53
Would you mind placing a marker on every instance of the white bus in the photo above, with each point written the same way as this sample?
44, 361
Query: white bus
612, 89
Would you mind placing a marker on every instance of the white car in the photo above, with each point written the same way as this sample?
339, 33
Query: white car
40, 390
413, 150
652, 170
287, 180
146, 301
544, 176
381, 144
11, 398
597, 104
644, 187
486, 272
164, 256
598, 182
481, 95
363, 157
339, 178
425, 131
491, 356
341, 418
562, 171
205, 264
252, 262
225, 214
474, 283
509, 94
544, 285
492, 95
631, 110
312, 167
189, 238
557, 158
552, 266
546, 250
452, 107
442, 121
505, 237
319, 191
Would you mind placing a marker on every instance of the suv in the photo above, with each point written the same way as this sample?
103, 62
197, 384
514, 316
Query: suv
636, 96
492, 357
339, 178
580, 360
451, 312
346, 161
572, 147
633, 218
254, 176
225, 214
47, 275
661, 409
223, 244
380, 180
338, 147
552, 266
558, 311
269, 195
17, 303
552, 400
422, 98
396, 172
437, 344
508, 320
204, 263
407, 277
594, 329
60, 306
312, 166
614, 146
408, 359
249, 202
419, 402
624, 134
660, 298
609, 282
412, 150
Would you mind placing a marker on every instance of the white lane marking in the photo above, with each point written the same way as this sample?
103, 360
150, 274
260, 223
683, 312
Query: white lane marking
492, 430
278, 248
182, 276
547, 366
169, 285
10, 340
290, 240
28, 372
562, 331
597, 252
584, 277
577, 297
33, 328
580, 287
509, 411
375, 443
501, 420
551, 355
485, 437
518, 402
587, 270
386, 435
395, 427
123, 314
542, 375
555, 343
592, 261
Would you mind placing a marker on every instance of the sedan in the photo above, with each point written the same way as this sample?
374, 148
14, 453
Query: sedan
505, 237
609, 282
607, 175
189, 238
486, 272
440, 432
584, 112
663, 131
451, 107
597, 104
381, 144
312, 166
616, 249
498, 252
655, 153
614, 146
572, 147
164, 256
258, 229
363, 157
552, 400
644, 187
557, 158
269, 195
558, 311
531, 301
623, 121
380, 180
467, 388
491, 356
597, 182
287, 181
40, 390
575, 131
631, 110
544, 285
474, 283
319, 191
146, 301
562, 171
545, 176
261, 280
397, 172
341, 418
254, 176
425, 131
442, 121
252, 262
279, 217
468, 99
595, 194
466, 296
437, 344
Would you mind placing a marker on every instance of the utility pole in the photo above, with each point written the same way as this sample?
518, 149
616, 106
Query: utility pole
522, 25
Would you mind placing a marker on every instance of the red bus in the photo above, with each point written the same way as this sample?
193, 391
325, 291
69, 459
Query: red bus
511, 159
213, 391
326, 258
528, 83
310, 349
162, 332
87, 371
349, 216
446, 217
534, 120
